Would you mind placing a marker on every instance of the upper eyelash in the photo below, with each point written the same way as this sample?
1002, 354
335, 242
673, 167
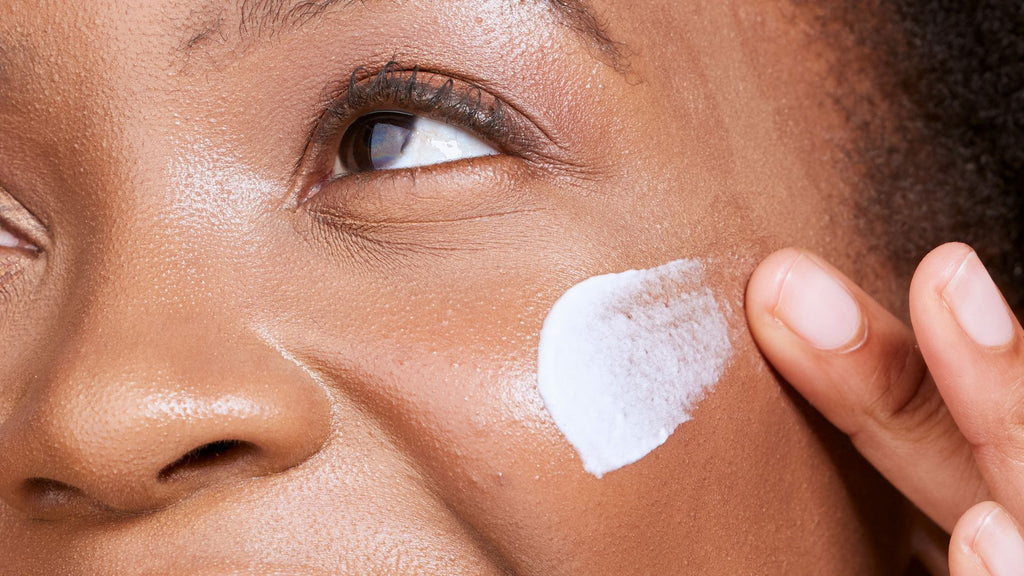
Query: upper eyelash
413, 90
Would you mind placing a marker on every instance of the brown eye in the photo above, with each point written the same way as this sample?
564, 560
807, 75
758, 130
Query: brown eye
395, 140
375, 141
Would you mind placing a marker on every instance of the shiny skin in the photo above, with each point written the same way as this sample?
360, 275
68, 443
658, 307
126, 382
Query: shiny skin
371, 347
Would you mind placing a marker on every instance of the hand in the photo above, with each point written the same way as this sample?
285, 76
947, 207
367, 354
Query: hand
938, 410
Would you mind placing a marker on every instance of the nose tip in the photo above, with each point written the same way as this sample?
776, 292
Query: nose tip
123, 448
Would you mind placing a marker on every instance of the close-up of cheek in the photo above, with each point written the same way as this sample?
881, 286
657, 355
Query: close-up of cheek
535, 401
625, 358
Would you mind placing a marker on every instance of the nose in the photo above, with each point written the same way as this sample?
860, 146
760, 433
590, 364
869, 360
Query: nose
132, 423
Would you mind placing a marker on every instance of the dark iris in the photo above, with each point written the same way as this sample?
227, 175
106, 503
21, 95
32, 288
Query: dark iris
375, 141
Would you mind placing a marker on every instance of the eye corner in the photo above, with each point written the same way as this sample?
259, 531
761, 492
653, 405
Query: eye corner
20, 229
14, 241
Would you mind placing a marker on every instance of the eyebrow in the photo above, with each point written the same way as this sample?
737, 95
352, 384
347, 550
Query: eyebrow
266, 18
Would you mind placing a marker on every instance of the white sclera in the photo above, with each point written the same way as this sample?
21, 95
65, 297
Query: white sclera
433, 142
624, 358
8, 240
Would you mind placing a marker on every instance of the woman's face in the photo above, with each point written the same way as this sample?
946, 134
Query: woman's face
226, 350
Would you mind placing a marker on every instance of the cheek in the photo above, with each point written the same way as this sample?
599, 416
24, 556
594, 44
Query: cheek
451, 382
625, 358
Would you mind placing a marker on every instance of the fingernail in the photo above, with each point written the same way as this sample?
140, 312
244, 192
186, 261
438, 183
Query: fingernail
817, 307
999, 545
977, 305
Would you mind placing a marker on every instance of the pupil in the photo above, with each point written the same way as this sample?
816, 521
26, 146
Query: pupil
376, 141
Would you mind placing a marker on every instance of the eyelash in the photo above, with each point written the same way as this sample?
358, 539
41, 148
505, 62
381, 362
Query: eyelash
415, 91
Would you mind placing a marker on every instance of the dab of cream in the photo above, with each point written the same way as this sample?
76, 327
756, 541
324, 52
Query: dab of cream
624, 359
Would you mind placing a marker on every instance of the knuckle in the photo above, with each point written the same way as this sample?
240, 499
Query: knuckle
921, 418
899, 385
903, 399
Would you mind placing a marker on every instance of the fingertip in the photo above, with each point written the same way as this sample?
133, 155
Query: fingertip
938, 268
966, 530
965, 288
963, 560
927, 311
766, 281
810, 299
986, 541
956, 306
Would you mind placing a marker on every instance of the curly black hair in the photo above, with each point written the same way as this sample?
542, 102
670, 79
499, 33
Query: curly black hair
945, 160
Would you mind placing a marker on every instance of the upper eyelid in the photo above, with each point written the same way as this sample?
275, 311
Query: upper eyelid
415, 90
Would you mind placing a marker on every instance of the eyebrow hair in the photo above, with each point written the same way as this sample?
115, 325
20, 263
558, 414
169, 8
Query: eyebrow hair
266, 18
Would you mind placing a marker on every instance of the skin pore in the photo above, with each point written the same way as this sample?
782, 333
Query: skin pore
217, 359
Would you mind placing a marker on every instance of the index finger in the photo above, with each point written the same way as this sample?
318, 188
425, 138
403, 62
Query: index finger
860, 367
974, 348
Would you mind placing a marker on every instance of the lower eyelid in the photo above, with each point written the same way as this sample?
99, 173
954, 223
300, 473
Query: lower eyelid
447, 192
399, 186
15, 263
9, 272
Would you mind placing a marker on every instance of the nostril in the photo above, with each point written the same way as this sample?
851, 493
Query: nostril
219, 454
45, 493
43, 496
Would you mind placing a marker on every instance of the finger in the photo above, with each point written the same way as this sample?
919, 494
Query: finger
859, 366
986, 542
973, 346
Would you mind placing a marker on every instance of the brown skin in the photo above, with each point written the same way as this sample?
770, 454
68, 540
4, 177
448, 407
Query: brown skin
189, 289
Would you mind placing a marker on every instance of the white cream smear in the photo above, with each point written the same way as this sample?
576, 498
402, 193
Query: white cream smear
625, 358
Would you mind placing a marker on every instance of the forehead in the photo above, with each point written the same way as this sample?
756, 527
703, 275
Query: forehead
236, 24
112, 52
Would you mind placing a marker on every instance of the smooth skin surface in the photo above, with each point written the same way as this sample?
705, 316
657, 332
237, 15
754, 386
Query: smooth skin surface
218, 359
